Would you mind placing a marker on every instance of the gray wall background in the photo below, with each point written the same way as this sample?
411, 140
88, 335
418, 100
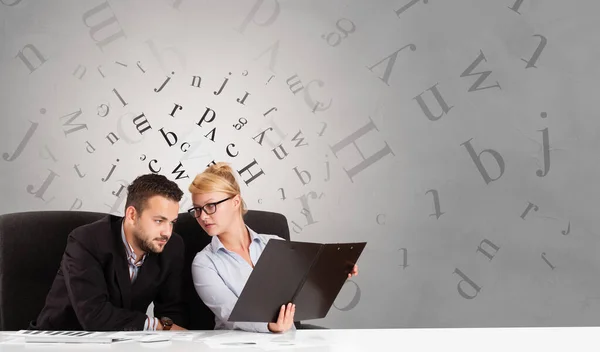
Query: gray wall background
457, 137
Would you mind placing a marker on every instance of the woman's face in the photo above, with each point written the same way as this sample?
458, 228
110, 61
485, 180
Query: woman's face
224, 214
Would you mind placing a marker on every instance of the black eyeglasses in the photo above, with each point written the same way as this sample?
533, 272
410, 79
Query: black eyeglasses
209, 208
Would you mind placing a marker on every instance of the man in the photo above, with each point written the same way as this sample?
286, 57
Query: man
113, 268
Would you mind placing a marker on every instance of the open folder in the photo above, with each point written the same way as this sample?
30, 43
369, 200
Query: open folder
310, 275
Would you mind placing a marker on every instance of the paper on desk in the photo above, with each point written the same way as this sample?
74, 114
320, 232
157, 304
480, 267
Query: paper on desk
76, 337
12, 340
15, 340
238, 336
155, 336
262, 344
264, 341
237, 339
292, 342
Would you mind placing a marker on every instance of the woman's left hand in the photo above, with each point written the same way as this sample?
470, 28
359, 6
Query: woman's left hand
354, 271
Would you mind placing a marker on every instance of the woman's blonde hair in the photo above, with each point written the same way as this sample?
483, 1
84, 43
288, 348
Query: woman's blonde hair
218, 177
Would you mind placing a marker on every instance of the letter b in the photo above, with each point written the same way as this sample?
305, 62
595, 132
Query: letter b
477, 160
167, 137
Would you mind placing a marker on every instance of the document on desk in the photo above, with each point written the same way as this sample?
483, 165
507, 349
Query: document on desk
310, 275
84, 337
157, 336
236, 339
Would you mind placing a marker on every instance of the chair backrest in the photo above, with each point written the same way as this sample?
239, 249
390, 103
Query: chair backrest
32, 245
31, 248
200, 317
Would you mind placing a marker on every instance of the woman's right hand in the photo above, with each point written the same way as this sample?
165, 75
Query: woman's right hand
285, 320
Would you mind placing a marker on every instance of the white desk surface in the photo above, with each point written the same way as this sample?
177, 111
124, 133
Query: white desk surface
372, 340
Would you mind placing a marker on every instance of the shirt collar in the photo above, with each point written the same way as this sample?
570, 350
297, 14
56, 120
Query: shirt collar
216, 243
131, 256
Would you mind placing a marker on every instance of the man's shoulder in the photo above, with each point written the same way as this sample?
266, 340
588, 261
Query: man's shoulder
98, 233
94, 229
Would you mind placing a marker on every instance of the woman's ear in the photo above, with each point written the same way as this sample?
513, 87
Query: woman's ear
236, 201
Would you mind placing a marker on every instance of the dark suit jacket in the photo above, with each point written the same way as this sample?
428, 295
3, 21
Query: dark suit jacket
92, 290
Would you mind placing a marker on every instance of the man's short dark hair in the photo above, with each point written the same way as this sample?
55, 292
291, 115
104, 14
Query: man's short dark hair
147, 186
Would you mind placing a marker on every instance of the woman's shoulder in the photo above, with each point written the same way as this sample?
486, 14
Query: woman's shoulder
264, 237
203, 256
267, 237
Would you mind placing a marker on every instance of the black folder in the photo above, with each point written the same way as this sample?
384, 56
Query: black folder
310, 275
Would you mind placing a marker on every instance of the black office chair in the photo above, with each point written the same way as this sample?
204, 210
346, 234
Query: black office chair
32, 245
31, 248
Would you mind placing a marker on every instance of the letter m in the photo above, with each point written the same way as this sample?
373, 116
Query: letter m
95, 28
74, 127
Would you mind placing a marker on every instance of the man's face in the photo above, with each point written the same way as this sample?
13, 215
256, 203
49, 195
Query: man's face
153, 227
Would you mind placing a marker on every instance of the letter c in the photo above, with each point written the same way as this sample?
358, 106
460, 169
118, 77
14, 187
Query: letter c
152, 169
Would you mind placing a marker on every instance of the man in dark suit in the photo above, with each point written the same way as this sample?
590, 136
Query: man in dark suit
114, 268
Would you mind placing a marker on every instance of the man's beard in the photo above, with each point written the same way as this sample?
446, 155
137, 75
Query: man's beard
148, 245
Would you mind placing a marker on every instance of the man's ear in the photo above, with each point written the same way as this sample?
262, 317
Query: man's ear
130, 213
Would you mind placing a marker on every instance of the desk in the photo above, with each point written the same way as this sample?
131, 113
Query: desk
372, 340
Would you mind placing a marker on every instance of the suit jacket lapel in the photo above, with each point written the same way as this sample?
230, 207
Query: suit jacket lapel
147, 273
121, 265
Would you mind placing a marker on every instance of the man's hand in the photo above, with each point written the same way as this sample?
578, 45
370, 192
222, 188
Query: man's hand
354, 271
173, 327
285, 320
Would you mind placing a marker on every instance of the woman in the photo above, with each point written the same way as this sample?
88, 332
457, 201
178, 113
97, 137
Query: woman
222, 268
